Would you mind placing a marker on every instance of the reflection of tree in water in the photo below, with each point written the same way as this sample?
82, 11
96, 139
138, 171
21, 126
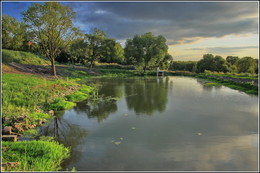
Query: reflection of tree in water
147, 96
101, 109
109, 87
109, 90
63, 131
70, 135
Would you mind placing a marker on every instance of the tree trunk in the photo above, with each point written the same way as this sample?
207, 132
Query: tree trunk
53, 66
90, 66
144, 68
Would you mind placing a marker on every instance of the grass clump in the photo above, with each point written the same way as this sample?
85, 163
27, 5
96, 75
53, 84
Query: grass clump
82, 94
34, 155
22, 57
212, 84
60, 104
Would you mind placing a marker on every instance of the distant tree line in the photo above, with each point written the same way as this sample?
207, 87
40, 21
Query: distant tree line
48, 29
216, 63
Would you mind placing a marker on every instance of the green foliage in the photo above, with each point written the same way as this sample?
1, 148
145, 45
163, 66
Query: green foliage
114, 66
246, 65
77, 96
51, 28
146, 50
22, 57
166, 62
60, 104
27, 93
96, 47
211, 63
232, 59
113, 52
211, 84
241, 86
184, 66
13, 33
34, 155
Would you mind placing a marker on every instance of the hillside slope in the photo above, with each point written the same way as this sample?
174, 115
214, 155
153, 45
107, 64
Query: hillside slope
21, 57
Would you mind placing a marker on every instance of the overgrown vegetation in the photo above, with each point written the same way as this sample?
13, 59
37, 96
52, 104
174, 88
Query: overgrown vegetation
33, 155
21, 57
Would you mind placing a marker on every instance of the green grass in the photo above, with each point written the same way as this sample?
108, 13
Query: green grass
28, 93
60, 104
34, 96
23, 57
34, 155
212, 84
245, 87
81, 94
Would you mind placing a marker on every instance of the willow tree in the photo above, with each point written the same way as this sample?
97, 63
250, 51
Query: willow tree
51, 27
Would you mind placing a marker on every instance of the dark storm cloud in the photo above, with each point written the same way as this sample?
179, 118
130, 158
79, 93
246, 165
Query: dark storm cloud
179, 22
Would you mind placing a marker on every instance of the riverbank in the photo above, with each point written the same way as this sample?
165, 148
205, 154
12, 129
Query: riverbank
243, 82
29, 100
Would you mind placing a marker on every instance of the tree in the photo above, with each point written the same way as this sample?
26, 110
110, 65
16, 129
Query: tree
232, 59
221, 65
206, 63
211, 63
95, 43
79, 51
165, 62
114, 53
146, 50
94, 47
13, 33
246, 65
51, 27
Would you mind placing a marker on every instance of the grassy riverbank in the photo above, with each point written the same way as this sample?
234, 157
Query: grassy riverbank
28, 101
243, 82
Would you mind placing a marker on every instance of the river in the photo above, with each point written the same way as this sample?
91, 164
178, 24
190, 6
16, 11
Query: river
160, 124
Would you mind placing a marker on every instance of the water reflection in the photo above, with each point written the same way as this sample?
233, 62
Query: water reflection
64, 131
98, 109
190, 130
147, 96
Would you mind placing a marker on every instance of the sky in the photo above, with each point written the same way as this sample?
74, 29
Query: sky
192, 29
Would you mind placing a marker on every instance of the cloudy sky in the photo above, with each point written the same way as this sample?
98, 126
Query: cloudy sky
191, 28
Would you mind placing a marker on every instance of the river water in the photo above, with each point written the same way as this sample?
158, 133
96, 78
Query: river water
160, 124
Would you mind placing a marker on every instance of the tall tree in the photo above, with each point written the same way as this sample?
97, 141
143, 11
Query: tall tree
232, 59
13, 33
51, 27
211, 63
95, 44
146, 50
166, 62
246, 65
114, 52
